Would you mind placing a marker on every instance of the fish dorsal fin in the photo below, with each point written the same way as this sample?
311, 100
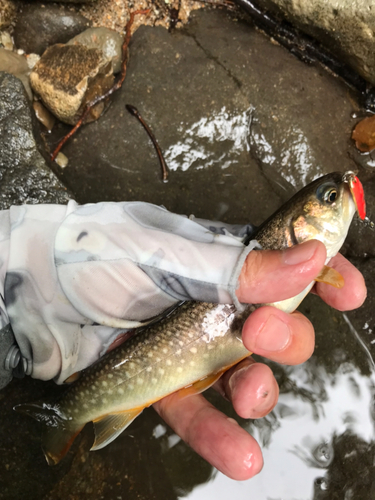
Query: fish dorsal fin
330, 276
107, 428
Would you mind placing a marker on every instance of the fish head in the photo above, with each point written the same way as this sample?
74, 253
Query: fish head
324, 211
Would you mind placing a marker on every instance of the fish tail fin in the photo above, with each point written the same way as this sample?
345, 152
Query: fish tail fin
59, 432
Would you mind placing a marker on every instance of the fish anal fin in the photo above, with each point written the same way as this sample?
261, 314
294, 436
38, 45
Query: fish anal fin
107, 428
330, 276
199, 386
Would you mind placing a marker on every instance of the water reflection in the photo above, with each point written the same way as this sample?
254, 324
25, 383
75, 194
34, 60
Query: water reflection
198, 147
315, 444
291, 157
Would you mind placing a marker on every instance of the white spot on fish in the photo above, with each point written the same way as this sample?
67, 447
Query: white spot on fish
180, 343
170, 343
182, 361
110, 375
192, 363
139, 381
130, 387
169, 362
104, 383
161, 371
150, 354
149, 368
165, 350
120, 391
158, 360
179, 369
193, 350
178, 352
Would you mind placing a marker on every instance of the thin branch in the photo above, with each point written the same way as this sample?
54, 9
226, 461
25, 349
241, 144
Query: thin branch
134, 111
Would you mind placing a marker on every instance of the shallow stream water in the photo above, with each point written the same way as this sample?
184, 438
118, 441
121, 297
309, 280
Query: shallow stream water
243, 124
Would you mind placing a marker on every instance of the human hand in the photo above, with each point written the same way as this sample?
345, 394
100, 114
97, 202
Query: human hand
267, 276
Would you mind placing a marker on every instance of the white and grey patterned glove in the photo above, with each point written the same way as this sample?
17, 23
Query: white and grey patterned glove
73, 278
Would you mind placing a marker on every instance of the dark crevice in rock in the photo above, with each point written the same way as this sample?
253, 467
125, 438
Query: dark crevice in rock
216, 60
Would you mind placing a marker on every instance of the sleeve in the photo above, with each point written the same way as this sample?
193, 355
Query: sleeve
79, 276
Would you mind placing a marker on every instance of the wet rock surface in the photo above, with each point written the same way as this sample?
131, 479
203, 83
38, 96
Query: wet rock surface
346, 27
24, 175
243, 124
38, 27
68, 76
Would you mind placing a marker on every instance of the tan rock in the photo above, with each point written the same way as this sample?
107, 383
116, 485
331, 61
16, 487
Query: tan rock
346, 27
68, 76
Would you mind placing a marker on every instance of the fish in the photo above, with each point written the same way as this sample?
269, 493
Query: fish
190, 348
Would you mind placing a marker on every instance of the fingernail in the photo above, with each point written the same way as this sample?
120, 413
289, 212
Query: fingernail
274, 335
299, 253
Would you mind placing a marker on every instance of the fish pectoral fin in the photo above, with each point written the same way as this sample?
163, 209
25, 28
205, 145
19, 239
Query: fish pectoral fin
330, 276
199, 386
107, 428
72, 378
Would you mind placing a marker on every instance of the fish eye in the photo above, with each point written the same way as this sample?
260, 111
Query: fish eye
330, 196
328, 193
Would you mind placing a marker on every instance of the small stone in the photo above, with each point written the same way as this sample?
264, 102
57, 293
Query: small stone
67, 77
107, 40
16, 65
6, 41
39, 26
43, 115
32, 59
364, 134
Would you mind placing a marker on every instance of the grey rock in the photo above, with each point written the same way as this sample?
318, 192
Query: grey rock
346, 27
68, 76
16, 65
24, 175
38, 26
108, 41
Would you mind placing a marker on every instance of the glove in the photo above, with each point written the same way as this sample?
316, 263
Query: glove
73, 278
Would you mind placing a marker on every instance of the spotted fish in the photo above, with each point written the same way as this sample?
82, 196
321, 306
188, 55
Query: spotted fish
189, 349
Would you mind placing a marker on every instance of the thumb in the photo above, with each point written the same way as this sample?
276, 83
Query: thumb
273, 275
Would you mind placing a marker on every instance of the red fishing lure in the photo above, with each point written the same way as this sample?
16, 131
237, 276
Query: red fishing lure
358, 194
